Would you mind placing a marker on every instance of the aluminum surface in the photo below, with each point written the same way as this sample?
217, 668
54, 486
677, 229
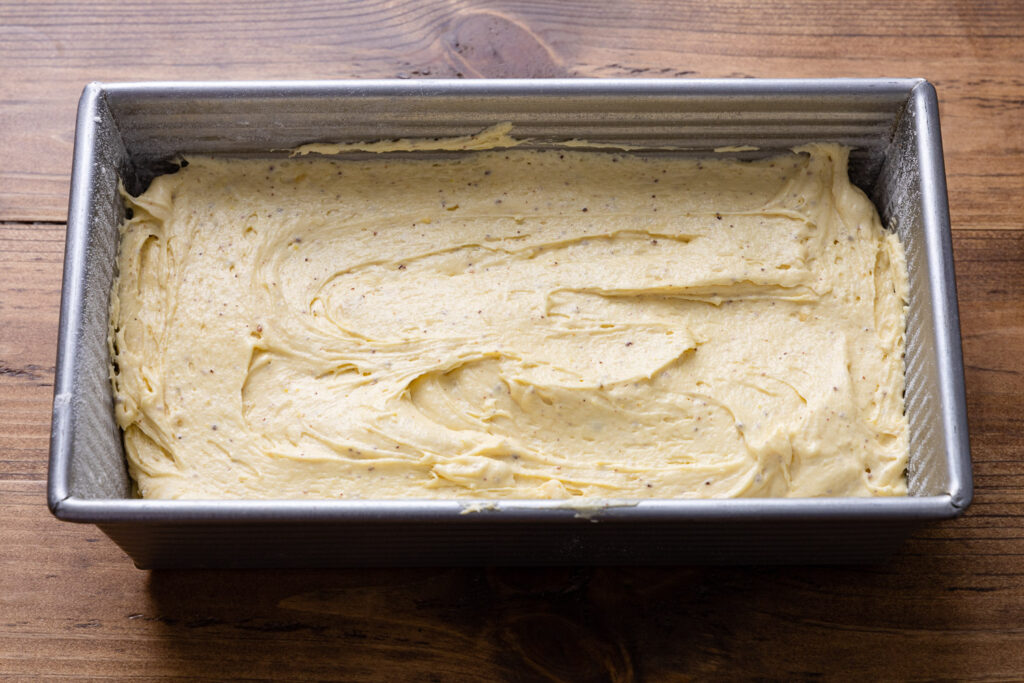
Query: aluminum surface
133, 131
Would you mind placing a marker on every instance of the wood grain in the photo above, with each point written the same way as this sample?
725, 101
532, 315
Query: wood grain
950, 605
49, 50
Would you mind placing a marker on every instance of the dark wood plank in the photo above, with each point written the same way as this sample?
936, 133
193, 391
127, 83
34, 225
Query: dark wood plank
49, 50
949, 605
75, 607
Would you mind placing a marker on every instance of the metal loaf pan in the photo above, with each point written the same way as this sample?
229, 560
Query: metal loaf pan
131, 131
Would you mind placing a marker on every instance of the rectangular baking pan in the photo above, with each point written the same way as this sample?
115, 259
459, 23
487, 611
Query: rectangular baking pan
130, 132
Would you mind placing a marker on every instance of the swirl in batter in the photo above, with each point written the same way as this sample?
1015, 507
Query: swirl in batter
510, 324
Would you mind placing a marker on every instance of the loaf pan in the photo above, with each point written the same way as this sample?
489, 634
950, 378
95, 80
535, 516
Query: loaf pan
130, 132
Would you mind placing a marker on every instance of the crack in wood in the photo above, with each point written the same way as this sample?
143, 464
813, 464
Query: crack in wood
30, 371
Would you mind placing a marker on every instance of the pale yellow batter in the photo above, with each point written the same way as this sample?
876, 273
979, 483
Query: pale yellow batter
513, 324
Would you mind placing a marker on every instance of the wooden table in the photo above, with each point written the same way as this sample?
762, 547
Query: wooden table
951, 604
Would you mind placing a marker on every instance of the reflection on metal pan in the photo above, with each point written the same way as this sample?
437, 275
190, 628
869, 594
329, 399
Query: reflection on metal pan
131, 132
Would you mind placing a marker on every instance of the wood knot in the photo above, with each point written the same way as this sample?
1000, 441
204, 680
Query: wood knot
557, 648
487, 44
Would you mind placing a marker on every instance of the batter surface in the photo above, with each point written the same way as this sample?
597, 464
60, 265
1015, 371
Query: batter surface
510, 324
